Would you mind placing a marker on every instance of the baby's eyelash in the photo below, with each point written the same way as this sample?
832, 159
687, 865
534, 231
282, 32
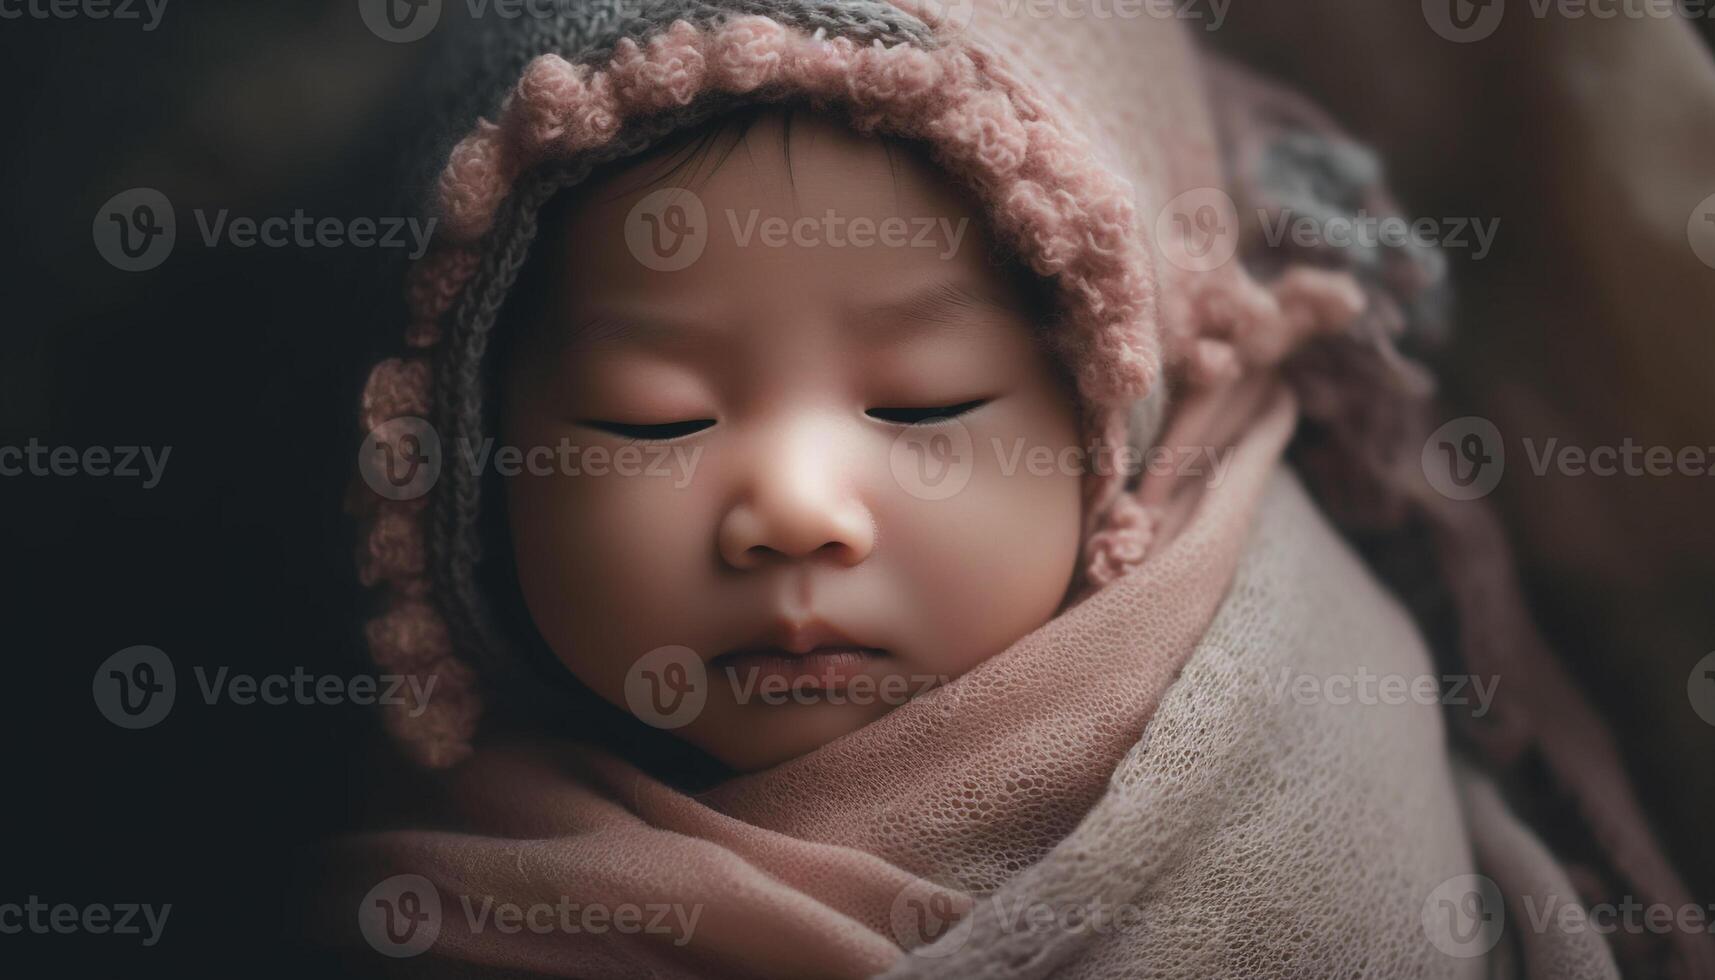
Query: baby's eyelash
663, 430
925, 416
674, 430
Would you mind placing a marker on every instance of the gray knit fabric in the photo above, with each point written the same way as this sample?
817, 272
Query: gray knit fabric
1315, 175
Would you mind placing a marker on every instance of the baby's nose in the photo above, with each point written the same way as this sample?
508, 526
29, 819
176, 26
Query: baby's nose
798, 504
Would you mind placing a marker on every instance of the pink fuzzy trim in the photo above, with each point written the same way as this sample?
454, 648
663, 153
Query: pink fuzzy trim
898, 79
1225, 322
393, 549
434, 283
397, 387
668, 72
410, 638
1122, 541
477, 178
438, 733
747, 54
561, 108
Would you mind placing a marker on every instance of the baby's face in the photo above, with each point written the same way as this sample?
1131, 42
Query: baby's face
794, 513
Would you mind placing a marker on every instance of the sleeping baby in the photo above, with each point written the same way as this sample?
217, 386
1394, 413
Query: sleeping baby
923, 522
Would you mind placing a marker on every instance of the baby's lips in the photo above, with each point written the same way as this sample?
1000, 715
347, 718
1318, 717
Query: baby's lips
801, 636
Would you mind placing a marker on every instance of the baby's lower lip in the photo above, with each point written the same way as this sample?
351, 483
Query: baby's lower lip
826, 668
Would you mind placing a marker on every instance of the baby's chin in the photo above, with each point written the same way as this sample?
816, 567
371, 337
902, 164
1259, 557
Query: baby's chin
770, 727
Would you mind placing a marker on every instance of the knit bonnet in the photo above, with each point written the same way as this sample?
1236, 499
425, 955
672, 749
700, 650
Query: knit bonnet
1109, 184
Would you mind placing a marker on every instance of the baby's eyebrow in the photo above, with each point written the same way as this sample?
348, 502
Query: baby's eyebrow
949, 305
609, 329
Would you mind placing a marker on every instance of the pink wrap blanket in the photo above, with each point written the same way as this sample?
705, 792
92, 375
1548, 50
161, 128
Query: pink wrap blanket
830, 864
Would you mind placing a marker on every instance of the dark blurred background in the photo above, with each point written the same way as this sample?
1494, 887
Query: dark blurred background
1593, 320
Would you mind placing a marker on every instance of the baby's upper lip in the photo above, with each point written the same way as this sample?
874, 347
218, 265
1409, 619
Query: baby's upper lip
797, 637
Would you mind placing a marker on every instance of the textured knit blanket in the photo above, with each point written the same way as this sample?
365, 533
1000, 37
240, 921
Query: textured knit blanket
1138, 788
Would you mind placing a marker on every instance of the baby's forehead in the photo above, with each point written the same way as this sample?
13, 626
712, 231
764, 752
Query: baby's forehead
780, 162
737, 227
951, 306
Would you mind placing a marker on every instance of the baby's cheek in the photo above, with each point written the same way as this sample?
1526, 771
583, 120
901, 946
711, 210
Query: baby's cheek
600, 557
991, 563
